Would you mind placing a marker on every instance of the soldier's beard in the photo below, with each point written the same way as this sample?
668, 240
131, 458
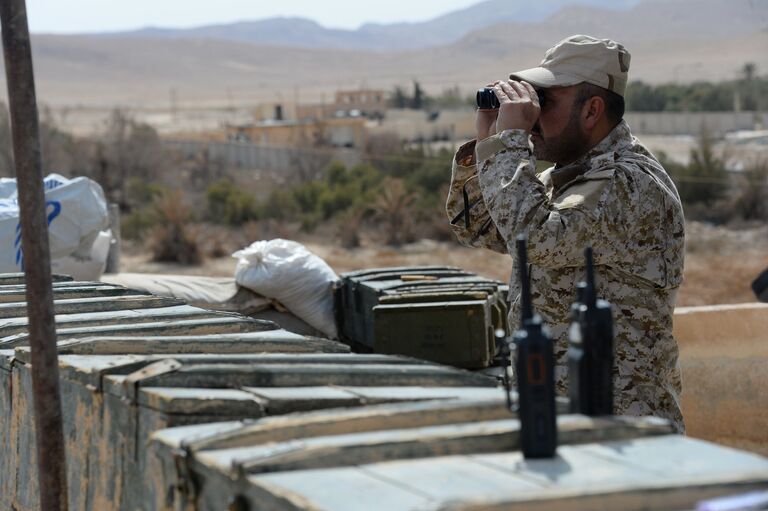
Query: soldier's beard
564, 148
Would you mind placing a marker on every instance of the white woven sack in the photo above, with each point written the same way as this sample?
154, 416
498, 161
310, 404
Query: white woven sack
78, 227
286, 271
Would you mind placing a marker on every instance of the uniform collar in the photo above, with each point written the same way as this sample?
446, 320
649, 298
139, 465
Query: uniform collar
619, 139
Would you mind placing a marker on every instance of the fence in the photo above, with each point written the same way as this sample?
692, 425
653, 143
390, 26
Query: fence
460, 124
692, 123
243, 155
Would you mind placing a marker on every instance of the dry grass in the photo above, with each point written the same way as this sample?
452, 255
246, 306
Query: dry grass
721, 264
719, 278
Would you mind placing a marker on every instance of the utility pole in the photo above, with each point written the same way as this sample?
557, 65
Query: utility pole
52, 473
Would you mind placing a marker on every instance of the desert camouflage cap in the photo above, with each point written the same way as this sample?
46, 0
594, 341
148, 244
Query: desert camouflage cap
581, 58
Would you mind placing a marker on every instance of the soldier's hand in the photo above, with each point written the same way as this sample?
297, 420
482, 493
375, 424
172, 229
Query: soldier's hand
519, 106
485, 120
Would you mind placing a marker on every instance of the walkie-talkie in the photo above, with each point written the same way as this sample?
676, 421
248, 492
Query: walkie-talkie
590, 350
535, 373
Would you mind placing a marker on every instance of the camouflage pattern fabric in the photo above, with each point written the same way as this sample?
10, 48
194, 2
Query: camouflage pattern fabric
618, 199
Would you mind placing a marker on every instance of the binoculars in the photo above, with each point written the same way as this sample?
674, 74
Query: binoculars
487, 100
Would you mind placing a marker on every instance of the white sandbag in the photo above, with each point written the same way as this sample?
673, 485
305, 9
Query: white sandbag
88, 267
288, 272
78, 222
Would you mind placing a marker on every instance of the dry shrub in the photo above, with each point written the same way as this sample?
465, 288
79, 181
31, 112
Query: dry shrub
172, 239
751, 202
433, 221
216, 242
394, 209
269, 229
348, 227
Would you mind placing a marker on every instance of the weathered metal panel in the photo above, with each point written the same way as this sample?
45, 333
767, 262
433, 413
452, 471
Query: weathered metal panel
15, 279
88, 309
280, 400
6, 413
205, 326
12, 326
304, 375
223, 463
469, 438
608, 463
217, 486
124, 398
273, 341
98, 304
67, 290
126, 382
24, 490
81, 405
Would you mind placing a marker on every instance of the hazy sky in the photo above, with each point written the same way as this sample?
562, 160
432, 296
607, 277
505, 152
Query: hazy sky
65, 16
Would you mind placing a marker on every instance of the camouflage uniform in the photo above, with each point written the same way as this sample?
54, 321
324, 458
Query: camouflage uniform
620, 200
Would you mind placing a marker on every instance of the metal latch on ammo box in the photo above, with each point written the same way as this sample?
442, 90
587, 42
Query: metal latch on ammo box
132, 381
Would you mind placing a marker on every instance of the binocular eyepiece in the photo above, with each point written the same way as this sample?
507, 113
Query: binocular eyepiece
487, 100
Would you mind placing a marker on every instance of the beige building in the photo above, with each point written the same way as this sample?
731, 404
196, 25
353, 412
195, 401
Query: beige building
332, 132
368, 102
371, 103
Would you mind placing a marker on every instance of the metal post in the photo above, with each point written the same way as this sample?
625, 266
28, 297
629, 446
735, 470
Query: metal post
37, 263
113, 257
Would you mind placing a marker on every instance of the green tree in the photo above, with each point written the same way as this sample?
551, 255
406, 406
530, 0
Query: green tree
749, 70
419, 97
399, 98
641, 97
229, 204
704, 180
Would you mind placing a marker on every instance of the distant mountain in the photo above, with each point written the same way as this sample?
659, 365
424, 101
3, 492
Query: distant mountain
670, 40
445, 29
667, 21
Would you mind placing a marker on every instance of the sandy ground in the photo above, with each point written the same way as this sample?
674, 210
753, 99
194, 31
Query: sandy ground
719, 268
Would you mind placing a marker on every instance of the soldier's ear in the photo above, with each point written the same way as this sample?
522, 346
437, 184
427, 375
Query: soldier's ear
592, 112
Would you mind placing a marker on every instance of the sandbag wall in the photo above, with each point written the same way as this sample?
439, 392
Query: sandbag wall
133, 363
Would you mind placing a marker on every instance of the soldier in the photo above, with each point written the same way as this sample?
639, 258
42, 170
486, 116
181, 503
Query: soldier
605, 190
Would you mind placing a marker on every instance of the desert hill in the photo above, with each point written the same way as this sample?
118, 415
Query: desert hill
445, 29
670, 40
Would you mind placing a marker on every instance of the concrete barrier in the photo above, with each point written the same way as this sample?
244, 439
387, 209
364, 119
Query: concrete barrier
724, 360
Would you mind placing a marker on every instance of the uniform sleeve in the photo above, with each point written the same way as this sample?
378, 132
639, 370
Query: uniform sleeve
557, 230
467, 214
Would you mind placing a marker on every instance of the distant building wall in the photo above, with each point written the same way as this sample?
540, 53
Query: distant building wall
342, 132
459, 125
692, 123
418, 125
243, 155
367, 101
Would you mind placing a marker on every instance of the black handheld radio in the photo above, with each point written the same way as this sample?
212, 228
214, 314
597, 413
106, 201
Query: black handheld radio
535, 373
590, 349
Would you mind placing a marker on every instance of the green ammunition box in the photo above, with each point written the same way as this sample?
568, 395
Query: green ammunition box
401, 310
350, 294
459, 333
